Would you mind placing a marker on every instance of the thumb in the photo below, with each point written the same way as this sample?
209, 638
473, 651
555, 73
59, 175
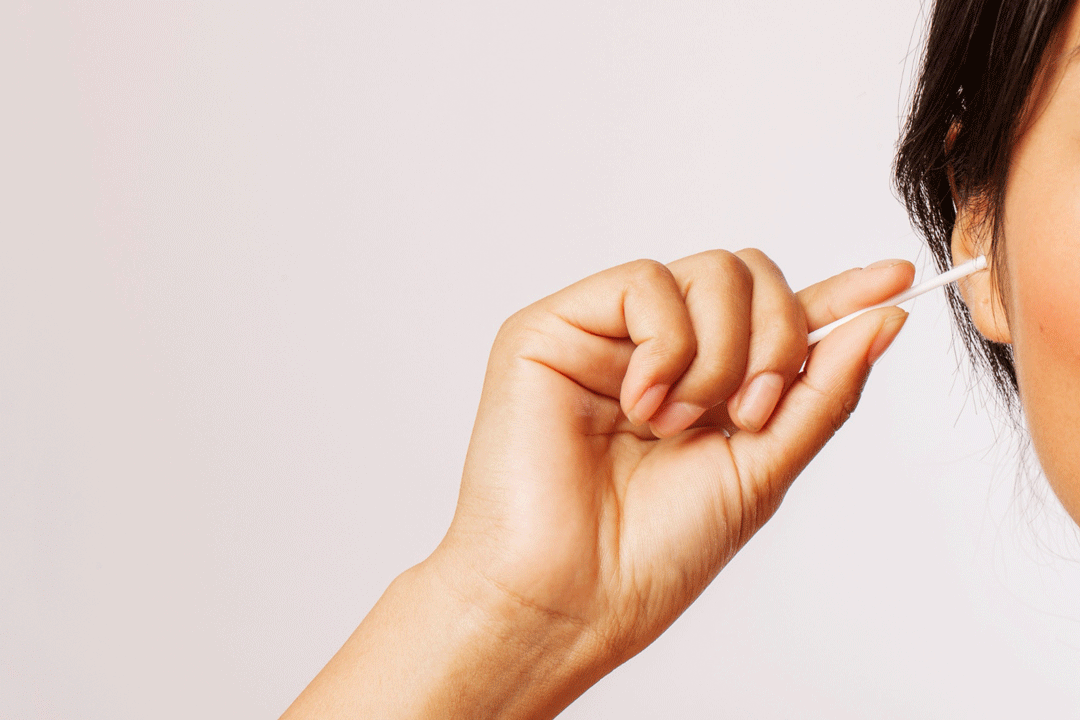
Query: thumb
817, 405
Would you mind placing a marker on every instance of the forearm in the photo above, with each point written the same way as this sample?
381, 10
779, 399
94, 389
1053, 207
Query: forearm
432, 648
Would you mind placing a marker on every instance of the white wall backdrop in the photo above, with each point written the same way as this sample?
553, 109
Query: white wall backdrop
252, 259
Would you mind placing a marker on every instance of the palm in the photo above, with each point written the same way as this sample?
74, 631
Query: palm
604, 520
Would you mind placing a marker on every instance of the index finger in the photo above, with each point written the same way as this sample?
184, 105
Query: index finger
853, 290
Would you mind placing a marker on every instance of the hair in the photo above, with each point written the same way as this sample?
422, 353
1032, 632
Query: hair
976, 76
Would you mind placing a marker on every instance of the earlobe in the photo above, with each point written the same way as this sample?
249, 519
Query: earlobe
980, 292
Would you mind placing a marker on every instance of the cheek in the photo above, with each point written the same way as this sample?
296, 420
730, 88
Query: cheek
1042, 231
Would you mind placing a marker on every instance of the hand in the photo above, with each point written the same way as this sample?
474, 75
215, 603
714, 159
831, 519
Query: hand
574, 510
581, 533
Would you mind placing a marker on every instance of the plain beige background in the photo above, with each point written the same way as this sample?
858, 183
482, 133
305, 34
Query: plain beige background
253, 258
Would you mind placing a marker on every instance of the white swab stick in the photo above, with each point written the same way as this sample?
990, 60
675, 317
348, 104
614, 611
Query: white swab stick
944, 278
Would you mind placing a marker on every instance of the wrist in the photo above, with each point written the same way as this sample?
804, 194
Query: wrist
498, 656
444, 643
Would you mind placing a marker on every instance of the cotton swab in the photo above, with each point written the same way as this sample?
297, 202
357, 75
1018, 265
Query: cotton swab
944, 278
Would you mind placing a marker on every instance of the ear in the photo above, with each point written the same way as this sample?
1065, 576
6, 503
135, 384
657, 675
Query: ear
970, 238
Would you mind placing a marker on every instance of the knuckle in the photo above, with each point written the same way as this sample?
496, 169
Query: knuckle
836, 413
756, 257
845, 410
677, 345
518, 335
511, 326
720, 373
726, 264
753, 254
797, 321
790, 341
783, 327
831, 309
649, 271
779, 347
780, 330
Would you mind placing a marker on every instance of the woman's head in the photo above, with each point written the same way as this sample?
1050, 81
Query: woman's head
990, 164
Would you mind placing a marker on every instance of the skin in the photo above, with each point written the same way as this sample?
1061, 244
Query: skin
620, 458
594, 509
1040, 314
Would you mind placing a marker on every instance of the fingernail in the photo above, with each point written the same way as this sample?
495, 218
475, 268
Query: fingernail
881, 264
885, 336
676, 417
758, 401
647, 404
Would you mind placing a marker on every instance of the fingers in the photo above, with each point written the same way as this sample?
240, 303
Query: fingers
715, 338
811, 412
577, 332
751, 338
778, 344
781, 321
720, 292
853, 290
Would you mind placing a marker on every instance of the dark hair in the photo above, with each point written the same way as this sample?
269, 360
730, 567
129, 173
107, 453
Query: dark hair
977, 72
